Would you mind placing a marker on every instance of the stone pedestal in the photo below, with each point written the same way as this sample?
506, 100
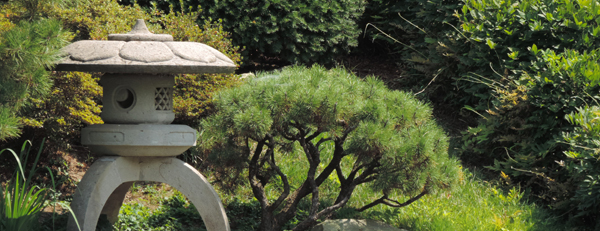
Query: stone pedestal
103, 188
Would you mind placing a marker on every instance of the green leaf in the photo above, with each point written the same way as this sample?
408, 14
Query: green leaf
430, 40
534, 49
491, 44
549, 16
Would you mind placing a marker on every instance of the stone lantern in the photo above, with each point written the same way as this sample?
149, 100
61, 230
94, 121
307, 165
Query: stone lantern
137, 141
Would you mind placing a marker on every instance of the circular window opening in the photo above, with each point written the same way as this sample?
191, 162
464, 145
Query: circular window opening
124, 98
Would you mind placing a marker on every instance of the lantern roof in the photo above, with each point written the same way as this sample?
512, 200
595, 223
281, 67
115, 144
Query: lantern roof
141, 51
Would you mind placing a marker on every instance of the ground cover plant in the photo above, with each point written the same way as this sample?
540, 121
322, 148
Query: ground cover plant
471, 205
388, 137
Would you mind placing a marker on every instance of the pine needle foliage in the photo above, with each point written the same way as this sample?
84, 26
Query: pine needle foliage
26, 51
381, 138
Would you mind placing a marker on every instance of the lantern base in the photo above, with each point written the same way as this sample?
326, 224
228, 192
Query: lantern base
103, 188
138, 139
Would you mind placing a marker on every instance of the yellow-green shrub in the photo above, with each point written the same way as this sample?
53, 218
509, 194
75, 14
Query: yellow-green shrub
71, 104
75, 97
98, 18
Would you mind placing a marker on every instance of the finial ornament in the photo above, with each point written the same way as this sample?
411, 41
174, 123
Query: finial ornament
139, 28
139, 32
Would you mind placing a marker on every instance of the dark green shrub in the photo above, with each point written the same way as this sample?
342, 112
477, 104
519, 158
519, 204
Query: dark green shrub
460, 40
366, 133
422, 34
583, 160
545, 67
524, 138
521, 64
305, 31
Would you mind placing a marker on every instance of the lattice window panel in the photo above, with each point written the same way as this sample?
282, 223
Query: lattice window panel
163, 99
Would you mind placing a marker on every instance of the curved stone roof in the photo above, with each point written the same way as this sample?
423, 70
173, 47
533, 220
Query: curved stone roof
140, 51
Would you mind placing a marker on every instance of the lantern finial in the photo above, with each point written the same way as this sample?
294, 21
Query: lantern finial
139, 28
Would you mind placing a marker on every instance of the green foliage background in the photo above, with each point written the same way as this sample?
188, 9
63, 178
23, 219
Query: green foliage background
305, 31
522, 65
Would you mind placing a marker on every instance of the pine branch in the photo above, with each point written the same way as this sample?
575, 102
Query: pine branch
393, 203
253, 172
312, 220
338, 154
286, 185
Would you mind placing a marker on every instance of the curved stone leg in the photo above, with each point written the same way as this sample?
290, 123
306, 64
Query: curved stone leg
115, 201
109, 173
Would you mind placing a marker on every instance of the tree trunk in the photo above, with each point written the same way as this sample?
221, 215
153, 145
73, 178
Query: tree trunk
268, 222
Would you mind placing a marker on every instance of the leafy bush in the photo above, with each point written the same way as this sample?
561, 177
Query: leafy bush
333, 119
583, 160
304, 31
60, 115
458, 42
522, 133
521, 64
422, 33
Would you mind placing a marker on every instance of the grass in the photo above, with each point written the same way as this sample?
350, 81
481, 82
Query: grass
473, 204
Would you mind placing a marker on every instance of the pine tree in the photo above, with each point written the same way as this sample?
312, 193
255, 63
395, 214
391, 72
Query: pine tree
27, 51
377, 137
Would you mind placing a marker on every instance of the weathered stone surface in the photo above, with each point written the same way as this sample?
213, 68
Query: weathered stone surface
176, 65
142, 105
192, 51
353, 225
143, 52
217, 53
106, 177
138, 139
140, 37
91, 50
148, 52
